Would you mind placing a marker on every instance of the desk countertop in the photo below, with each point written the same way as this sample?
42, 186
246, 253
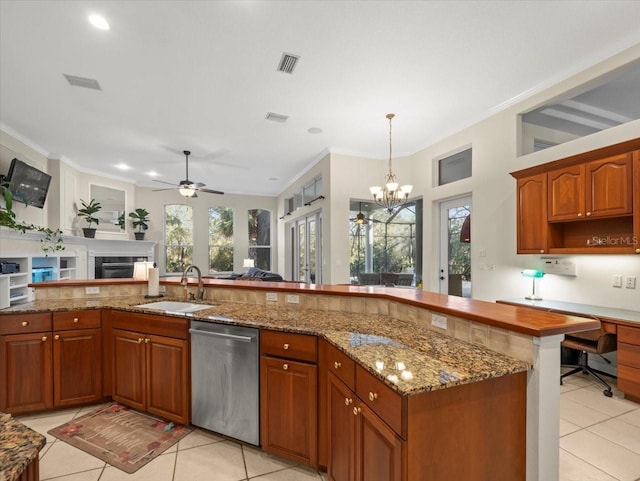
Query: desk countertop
573, 308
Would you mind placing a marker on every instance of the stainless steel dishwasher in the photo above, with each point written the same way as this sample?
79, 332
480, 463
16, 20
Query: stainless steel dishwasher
225, 389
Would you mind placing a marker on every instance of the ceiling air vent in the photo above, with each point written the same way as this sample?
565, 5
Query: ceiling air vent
288, 63
276, 117
87, 83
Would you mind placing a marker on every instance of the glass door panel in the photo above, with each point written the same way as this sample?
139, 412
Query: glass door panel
455, 247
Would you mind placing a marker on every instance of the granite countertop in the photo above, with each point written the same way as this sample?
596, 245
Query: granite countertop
19, 446
574, 308
409, 358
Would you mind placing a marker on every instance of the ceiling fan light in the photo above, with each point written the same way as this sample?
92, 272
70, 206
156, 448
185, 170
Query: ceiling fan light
186, 191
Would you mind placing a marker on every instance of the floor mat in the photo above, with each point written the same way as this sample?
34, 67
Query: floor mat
122, 437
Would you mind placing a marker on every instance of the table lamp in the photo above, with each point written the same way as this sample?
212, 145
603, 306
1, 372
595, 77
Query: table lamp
534, 274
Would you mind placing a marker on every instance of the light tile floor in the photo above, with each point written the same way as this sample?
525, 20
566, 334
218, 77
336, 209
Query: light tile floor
599, 441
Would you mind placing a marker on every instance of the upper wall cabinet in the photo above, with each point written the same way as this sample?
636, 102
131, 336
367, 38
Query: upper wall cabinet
584, 204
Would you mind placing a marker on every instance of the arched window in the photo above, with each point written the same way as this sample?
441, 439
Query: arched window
260, 238
220, 239
178, 237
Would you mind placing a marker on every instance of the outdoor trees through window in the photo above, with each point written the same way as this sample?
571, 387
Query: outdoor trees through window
178, 237
220, 239
260, 238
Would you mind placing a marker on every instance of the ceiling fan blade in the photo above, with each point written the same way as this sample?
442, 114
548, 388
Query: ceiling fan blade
163, 182
197, 185
210, 191
160, 190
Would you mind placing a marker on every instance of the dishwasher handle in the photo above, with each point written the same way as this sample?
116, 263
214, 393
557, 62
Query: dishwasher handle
233, 337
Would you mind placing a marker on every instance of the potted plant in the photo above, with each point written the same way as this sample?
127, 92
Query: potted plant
140, 220
88, 211
120, 222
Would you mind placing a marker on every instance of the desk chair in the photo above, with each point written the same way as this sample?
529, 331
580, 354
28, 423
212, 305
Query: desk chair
595, 342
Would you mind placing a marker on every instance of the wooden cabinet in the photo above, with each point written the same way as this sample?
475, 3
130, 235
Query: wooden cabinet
532, 215
289, 396
376, 434
77, 357
585, 204
600, 188
361, 446
50, 362
151, 371
629, 362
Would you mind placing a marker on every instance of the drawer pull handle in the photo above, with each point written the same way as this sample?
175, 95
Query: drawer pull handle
637, 251
285, 346
25, 323
75, 320
348, 401
56, 337
588, 214
356, 411
337, 365
146, 341
140, 339
44, 338
579, 214
373, 396
285, 366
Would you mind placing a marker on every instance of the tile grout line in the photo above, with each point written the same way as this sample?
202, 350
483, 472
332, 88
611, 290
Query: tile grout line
592, 465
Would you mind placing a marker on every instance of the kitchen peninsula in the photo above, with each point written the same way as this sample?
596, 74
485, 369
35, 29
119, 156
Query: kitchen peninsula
482, 352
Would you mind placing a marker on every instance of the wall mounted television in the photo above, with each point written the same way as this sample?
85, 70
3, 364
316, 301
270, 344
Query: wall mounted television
28, 184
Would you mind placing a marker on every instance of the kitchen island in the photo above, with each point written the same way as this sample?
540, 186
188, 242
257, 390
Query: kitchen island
376, 318
19, 449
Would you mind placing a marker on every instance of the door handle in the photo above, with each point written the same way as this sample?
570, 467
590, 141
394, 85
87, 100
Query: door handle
222, 334
442, 278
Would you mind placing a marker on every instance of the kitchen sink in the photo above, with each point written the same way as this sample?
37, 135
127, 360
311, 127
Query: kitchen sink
174, 306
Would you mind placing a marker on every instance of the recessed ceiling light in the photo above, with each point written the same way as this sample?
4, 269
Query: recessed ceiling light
152, 173
272, 178
99, 22
122, 166
315, 130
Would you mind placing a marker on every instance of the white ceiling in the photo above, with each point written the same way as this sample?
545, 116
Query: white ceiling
201, 75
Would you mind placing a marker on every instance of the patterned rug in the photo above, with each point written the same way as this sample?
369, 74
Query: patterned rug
122, 437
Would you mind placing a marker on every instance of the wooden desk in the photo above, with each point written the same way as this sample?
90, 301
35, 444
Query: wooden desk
624, 323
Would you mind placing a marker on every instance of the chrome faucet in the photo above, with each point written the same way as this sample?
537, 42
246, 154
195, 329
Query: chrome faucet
183, 281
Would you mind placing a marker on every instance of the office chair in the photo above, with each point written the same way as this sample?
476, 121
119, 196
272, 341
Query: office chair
595, 342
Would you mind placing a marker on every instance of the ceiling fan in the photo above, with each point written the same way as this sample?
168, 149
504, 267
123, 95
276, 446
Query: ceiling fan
360, 219
187, 187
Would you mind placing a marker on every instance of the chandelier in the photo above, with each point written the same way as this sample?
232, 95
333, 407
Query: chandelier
392, 195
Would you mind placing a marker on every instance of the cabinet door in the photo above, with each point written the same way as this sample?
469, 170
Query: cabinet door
77, 366
25, 372
378, 448
341, 464
566, 199
532, 215
129, 381
167, 378
609, 191
288, 406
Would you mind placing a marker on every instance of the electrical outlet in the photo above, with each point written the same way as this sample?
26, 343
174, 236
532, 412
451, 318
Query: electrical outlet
438, 321
293, 299
559, 266
162, 289
92, 290
272, 296
617, 281
630, 282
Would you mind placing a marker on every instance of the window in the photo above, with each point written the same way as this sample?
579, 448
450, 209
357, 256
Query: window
454, 167
305, 196
178, 237
260, 238
220, 239
386, 242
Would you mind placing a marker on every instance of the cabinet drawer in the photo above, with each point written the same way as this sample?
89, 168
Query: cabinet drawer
342, 366
292, 346
629, 335
64, 321
629, 355
151, 324
629, 380
383, 400
25, 323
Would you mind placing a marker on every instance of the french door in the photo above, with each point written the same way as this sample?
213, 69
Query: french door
455, 247
306, 249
